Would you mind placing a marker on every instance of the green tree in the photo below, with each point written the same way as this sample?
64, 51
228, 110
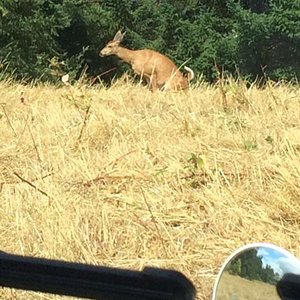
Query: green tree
251, 265
268, 41
27, 35
43, 39
268, 275
235, 267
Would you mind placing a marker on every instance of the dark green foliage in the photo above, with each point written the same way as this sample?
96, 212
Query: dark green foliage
42, 39
268, 42
28, 32
255, 6
45, 39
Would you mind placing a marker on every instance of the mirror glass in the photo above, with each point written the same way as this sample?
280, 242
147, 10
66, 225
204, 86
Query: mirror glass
259, 271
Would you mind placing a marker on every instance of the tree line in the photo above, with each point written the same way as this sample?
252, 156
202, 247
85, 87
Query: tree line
42, 39
249, 265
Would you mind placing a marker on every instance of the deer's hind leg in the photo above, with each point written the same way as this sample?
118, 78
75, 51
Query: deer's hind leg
153, 83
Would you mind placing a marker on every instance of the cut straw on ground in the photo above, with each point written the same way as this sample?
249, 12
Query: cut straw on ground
127, 178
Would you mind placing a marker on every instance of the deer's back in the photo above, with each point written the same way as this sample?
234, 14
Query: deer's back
150, 62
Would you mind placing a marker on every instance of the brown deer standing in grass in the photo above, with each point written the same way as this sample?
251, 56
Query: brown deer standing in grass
159, 71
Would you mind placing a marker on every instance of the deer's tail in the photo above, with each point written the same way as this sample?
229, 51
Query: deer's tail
191, 74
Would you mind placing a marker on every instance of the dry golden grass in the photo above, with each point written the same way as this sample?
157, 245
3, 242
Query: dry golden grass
235, 287
126, 178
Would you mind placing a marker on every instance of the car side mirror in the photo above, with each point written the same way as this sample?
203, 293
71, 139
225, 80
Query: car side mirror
259, 271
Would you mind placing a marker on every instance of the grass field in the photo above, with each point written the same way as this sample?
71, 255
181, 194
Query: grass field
127, 178
236, 287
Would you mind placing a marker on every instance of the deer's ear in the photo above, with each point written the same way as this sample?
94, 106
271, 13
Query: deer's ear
119, 36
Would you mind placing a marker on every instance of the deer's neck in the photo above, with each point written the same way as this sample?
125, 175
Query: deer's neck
125, 54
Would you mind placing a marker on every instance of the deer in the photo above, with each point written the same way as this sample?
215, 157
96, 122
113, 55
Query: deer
159, 70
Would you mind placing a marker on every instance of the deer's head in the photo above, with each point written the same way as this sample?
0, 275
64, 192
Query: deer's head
112, 46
